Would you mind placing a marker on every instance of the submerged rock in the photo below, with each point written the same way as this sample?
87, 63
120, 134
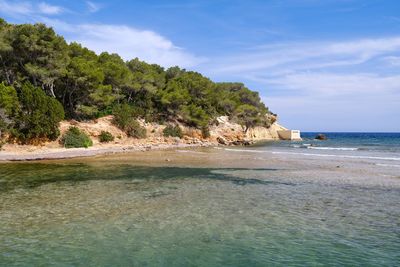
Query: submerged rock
222, 140
321, 137
241, 143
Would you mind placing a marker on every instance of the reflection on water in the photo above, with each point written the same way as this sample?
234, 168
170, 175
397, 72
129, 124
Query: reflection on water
69, 214
33, 175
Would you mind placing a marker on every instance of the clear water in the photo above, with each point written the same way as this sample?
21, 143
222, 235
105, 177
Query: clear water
103, 213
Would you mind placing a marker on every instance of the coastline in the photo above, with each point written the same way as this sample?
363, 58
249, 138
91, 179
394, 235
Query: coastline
225, 133
69, 153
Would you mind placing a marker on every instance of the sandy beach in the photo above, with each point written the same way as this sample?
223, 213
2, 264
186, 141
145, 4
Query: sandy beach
24, 153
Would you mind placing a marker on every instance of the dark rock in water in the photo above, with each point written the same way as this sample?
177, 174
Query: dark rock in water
241, 143
247, 143
236, 143
321, 137
222, 140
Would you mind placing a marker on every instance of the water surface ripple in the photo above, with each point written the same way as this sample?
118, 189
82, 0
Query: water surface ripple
84, 214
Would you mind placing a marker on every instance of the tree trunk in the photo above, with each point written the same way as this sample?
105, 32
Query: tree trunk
52, 90
5, 71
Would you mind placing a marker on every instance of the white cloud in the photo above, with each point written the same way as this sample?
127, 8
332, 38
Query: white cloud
93, 7
342, 85
10, 8
23, 8
392, 60
49, 9
309, 55
333, 84
128, 42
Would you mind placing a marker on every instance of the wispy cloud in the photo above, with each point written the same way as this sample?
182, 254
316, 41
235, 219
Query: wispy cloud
147, 45
392, 60
128, 42
24, 8
7, 7
47, 9
309, 55
93, 7
359, 78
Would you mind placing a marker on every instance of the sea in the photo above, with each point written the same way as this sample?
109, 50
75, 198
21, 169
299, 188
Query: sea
280, 203
378, 146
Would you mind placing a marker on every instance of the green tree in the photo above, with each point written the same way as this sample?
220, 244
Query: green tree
247, 116
39, 116
6, 54
9, 106
90, 85
41, 54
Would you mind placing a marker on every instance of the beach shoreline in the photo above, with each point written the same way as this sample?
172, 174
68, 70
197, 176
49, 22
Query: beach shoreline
225, 133
70, 153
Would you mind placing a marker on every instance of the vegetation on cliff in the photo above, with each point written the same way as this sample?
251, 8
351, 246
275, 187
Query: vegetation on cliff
44, 79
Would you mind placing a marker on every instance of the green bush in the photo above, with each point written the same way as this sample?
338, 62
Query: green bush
174, 131
106, 137
125, 119
135, 130
124, 114
76, 138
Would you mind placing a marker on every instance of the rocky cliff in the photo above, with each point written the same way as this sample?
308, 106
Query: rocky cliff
222, 131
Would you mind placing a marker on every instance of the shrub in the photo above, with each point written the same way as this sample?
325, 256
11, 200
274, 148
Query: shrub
106, 137
124, 118
76, 138
134, 129
174, 131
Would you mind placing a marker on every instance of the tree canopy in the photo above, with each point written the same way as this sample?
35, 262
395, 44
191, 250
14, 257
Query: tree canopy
42, 77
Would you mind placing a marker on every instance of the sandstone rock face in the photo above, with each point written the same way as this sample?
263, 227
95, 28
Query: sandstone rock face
262, 133
93, 128
224, 132
232, 132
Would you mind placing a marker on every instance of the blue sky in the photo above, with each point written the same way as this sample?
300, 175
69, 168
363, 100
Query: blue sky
322, 65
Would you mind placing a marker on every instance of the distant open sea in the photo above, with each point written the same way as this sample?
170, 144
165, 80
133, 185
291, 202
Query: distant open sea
379, 146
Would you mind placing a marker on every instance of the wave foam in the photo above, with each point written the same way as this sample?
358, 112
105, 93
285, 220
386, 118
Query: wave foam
310, 154
337, 156
388, 165
332, 148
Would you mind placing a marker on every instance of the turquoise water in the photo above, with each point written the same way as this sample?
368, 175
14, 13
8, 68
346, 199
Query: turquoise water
375, 146
337, 141
102, 213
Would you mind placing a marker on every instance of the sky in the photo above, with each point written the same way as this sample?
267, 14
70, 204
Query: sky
321, 65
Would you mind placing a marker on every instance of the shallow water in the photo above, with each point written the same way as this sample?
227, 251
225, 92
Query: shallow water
101, 212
